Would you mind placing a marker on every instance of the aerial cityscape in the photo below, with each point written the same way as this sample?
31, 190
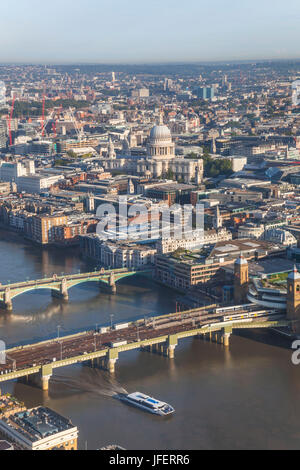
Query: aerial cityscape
149, 240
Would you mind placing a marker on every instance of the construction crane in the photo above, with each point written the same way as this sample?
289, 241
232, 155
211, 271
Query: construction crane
42, 131
54, 124
79, 131
53, 116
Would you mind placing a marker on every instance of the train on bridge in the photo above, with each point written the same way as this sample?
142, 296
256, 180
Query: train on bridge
156, 334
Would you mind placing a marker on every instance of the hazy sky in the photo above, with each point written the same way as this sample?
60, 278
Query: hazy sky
148, 31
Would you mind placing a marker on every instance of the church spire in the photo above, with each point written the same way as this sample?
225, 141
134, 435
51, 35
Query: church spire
213, 146
111, 149
126, 147
161, 117
218, 219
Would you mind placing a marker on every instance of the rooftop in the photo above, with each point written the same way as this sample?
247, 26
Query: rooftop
38, 423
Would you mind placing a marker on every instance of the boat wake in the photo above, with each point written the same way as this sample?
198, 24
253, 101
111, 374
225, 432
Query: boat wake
93, 381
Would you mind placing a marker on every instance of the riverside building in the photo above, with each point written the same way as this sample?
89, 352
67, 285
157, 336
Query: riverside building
40, 429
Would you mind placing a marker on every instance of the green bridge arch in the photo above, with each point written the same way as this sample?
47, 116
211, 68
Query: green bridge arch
59, 286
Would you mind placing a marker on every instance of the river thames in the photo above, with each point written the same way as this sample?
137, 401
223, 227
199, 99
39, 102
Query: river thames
244, 397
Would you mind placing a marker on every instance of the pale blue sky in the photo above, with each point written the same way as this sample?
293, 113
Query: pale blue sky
148, 31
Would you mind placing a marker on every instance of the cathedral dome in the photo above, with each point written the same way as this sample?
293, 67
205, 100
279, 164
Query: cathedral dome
160, 133
160, 144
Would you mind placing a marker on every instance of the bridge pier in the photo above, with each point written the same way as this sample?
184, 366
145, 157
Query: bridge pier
45, 382
110, 360
6, 302
41, 379
45, 376
6, 305
216, 337
171, 352
172, 343
110, 287
63, 291
112, 290
112, 284
58, 295
221, 337
166, 349
226, 333
161, 349
111, 365
155, 348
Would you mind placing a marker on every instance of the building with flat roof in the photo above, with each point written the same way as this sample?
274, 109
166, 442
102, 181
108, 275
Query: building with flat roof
41, 227
36, 183
40, 429
117, 254
5, 445
171, 193
182, 270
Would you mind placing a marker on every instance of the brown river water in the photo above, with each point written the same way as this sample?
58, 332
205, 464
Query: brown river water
246, 397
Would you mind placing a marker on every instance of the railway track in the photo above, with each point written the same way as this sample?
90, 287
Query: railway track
92, 341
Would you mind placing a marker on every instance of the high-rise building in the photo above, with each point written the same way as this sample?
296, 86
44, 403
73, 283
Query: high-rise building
168, 83
2, 94
42, 227
11, 171
140, 93
206, 93
3, 134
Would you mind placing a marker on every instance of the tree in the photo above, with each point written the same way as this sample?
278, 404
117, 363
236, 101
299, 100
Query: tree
214, 167
170, 174
71, 154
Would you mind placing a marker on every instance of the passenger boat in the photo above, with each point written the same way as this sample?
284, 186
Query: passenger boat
146, 403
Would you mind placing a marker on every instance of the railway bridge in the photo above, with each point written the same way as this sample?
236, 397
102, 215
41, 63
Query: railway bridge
60, 285
156, 334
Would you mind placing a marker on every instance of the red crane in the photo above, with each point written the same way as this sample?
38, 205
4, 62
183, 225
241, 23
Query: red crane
9, 120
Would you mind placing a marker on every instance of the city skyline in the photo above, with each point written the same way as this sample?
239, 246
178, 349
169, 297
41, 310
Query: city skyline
91, 32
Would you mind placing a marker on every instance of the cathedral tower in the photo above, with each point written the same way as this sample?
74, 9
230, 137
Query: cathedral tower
241, 280
293, 299
218, 220
111, 154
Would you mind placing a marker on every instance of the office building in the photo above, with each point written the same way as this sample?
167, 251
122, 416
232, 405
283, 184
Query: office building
206, 93
40, 429
3, 134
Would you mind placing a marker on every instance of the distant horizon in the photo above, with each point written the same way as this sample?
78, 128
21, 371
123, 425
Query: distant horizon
140, 32
174, 62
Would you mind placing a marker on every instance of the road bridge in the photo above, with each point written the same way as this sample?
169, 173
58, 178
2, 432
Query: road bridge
60, 285
157, 334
